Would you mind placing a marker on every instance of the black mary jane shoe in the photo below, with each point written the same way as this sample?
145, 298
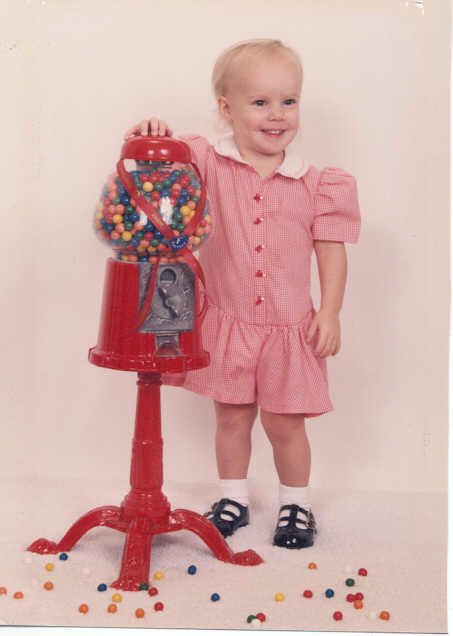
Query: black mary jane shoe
227, 526
299, 529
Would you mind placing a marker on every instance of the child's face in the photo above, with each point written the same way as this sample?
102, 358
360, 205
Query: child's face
262, 104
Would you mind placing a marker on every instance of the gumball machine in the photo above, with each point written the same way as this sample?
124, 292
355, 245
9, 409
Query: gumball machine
154, 214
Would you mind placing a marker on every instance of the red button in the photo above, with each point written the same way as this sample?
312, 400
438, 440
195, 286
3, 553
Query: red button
259, 219
258, 197
259, 248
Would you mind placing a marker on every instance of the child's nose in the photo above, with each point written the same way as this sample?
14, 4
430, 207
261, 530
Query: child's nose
276, 112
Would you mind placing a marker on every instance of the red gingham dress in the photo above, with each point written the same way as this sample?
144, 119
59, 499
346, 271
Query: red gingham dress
257, 265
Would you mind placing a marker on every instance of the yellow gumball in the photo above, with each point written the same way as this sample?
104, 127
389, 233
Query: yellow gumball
148, 186
126, 236
158, 575
185, 210
49, 567
117, 598
117, 218
279, 597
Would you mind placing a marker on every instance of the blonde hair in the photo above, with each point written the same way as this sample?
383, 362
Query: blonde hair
258, 46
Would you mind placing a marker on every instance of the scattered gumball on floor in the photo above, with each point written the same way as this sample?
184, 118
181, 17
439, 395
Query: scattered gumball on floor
261, 617
49, 567
102, 587
312, 566
279, 597
350, 598
362, 572
358, 604
384, 615
63, 556
83, 609
112, 608
144, 586
3, 590
191, 569
117, 598
250, 618
48, 585
18, 595
158, 607
153, 591
308, 594
215, 597
350, 582
359, 596
337, 616
139, 612
158, 575
329, 593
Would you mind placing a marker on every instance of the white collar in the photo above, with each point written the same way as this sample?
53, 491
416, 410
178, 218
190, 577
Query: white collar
292, 166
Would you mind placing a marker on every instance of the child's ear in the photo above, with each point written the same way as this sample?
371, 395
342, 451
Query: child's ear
224, 108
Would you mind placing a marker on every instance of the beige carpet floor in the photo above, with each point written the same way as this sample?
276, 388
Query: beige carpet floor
401, 539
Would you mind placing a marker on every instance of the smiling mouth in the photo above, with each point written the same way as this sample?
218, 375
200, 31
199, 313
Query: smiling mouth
274, 132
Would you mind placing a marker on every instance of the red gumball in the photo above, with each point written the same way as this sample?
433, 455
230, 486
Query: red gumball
362, 572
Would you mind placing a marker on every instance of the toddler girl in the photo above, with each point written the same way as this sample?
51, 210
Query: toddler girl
268, 345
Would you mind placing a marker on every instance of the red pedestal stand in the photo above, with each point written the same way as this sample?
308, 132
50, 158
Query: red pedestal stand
145, 511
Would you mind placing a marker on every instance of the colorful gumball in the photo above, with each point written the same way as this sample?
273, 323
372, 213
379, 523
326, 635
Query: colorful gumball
170, 188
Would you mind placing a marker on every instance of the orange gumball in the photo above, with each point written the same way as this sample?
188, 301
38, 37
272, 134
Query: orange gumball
112, 608
384, 615
48, 585
83, 609
139, 612
358, 604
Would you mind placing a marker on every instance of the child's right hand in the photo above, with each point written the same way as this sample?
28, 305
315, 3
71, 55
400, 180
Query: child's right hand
153, 126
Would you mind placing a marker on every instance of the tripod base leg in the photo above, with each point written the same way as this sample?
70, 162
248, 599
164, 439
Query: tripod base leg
136, 556
187, 520
104, 516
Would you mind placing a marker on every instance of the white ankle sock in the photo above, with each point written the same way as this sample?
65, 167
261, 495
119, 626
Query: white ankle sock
236, 489
295, 495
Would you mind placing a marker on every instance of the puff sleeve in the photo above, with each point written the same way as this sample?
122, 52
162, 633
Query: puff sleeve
199, 149
337, 213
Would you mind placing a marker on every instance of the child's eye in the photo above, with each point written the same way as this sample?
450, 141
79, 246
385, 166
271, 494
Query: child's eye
259, 102
289, 101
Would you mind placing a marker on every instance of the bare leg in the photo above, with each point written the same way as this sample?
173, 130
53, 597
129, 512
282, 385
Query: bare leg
233, 443
286, 433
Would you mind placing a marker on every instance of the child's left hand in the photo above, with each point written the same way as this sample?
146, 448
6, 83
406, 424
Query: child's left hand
327, 324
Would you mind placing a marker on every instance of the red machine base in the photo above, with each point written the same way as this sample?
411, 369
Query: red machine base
139, 533
145, 511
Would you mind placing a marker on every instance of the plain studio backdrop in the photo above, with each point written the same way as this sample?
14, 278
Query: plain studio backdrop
375, 102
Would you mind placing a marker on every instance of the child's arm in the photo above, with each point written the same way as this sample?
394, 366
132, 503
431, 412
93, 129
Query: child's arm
153, 126
332, 268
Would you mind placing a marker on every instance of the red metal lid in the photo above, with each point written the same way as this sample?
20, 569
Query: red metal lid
156, 149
